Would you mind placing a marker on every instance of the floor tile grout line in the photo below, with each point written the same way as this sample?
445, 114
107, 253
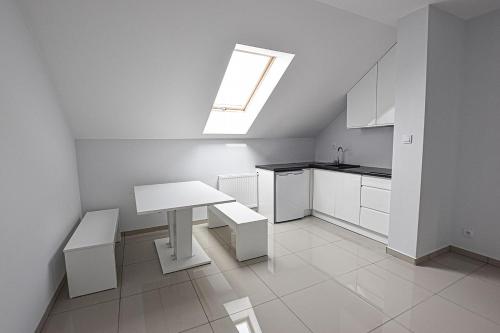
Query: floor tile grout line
281, 300
121, 283
393, 320
404, 278
296, 316
199, 301
469, 310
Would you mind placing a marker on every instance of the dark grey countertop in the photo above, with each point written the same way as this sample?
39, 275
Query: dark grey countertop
360, 170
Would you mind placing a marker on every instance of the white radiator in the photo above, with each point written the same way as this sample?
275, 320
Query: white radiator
242, 187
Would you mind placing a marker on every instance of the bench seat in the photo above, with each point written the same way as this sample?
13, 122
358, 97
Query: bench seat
90, 253
248, 228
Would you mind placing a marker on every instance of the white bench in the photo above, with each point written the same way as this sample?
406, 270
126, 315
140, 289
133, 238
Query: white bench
249, 228
90, 253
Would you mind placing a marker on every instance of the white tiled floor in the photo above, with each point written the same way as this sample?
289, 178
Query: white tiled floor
317, 278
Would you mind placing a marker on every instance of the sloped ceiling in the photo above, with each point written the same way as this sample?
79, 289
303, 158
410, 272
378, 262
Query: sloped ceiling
390, 11
151, 68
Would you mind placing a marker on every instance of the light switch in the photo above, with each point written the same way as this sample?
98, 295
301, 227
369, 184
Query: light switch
407, 139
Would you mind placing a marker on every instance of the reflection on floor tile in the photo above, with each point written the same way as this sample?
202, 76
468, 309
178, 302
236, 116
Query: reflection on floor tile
271, 317
384, 290
287, 274
231, 292
330, 308
171, 309
363, 250
298, 240
436, 315
332, 260
183, 309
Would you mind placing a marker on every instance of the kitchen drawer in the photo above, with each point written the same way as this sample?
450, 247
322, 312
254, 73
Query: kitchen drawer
376, 198
374, 220
377, 182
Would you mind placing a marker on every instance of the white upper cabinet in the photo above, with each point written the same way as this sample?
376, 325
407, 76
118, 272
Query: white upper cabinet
386, 88
371, 101
325, 183
362, 101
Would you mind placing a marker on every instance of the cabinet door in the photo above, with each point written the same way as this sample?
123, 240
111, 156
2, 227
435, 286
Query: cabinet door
386, 88
348, 197
362, 101
324, 191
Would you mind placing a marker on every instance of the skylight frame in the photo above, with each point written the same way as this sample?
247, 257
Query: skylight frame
228, 108
238, 123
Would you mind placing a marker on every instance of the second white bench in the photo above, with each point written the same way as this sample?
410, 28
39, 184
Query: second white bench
248, 227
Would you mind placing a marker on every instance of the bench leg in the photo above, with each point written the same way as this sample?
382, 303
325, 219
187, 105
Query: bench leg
251, 240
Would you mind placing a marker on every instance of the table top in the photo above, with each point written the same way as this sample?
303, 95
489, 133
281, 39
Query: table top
173, 196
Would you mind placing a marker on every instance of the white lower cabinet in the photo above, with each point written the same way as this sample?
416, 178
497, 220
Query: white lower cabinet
363, 201
347, 201
324, 191
374, 220
376, 198
337, 194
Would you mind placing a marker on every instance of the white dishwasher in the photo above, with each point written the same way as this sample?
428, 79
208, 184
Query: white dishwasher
292, 195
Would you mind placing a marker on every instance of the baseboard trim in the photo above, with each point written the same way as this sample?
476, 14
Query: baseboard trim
351, 227
433, 254
474, 255
49, 307
157, 228
144, 230
419, 260
400, 255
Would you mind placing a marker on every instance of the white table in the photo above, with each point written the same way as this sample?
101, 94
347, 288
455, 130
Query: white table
179, 251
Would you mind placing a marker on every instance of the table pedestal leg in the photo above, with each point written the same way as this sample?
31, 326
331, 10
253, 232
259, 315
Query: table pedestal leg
170, 223
180, 251
183, 230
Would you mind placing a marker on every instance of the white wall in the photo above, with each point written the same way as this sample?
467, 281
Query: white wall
109, 169
366, 146
409, 119
39, 193
444, 87
478, 177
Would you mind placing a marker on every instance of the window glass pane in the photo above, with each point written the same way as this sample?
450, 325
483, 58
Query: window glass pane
242, 76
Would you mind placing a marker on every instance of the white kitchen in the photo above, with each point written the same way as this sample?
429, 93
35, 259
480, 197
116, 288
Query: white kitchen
250, 166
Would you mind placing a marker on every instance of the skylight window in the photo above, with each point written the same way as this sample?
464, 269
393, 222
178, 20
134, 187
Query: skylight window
243, 75
250, 78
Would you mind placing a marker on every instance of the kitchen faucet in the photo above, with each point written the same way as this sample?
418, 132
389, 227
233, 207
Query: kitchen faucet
340, 152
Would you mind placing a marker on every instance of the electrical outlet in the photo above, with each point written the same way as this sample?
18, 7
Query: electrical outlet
468, 233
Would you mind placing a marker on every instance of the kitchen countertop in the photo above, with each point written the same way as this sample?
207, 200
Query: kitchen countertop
360, 170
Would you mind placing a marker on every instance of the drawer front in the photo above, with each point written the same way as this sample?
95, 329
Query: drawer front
382, 183
376, 198
374, 220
